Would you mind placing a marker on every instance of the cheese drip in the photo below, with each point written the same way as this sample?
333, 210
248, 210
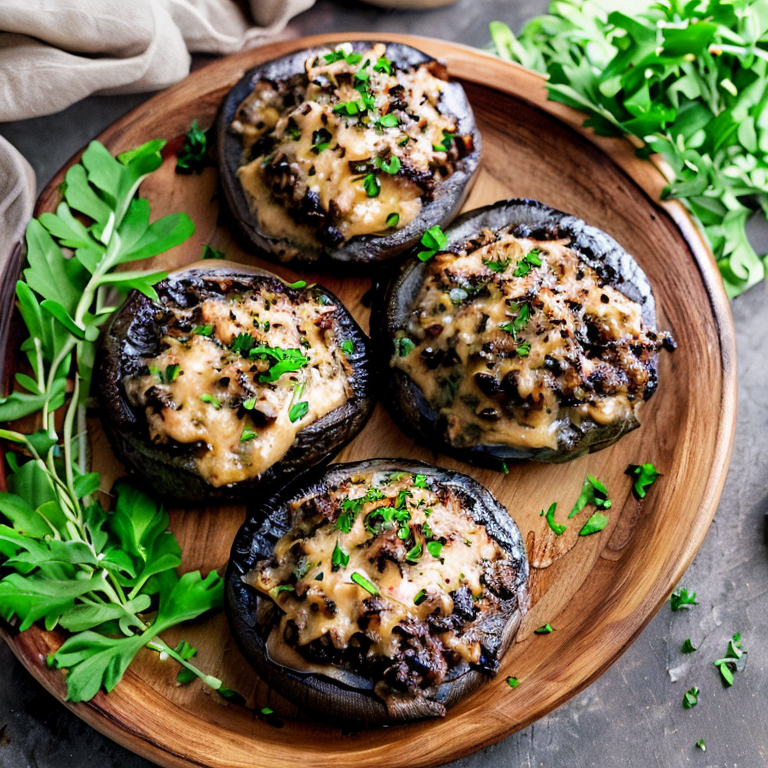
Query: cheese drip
406, 580
199, 391
516, 339
305, 180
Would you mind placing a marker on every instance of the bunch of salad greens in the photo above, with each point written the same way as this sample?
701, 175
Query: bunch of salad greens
687, 78
108, 577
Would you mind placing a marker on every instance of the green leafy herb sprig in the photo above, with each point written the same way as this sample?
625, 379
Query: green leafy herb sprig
193, 157
107, 577
690, 81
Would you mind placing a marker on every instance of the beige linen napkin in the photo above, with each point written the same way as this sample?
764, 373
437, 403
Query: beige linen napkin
56, 52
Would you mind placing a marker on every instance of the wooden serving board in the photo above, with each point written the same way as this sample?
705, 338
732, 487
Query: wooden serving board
598, 591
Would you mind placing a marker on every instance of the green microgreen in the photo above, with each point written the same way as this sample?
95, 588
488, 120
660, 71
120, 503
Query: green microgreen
433, 240
193, 157
211, 400
682, 598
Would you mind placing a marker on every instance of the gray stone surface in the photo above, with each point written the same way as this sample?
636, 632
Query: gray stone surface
632, 715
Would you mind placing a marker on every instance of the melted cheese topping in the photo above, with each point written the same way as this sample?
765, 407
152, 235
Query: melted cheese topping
411, 548
336, 174
199, 390
514, 340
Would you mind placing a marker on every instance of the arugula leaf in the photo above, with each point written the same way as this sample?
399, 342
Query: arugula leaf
690, 81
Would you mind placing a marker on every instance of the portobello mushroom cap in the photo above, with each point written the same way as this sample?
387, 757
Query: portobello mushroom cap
528, 219
135, 335
363, 692
440, 203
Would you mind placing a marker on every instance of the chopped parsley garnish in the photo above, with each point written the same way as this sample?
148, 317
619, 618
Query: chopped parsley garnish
302, 569
248, 434
383, 65
347, 346
170, 374
371, 185
523, 348
292, 130
592, 492
530, 260
338, 55
691, 698
211, 400
545, 630
434, 548
388, 121
421, 596
414, 553
203, 330
319, 576
497, 265
520, 321
558, 528
285, 588
504, 467
595, 524
298, 284
298, 411
339, 558
682, 598
242, 344
733, 661
368, 586
393, 220
286, 361
687, 646
352, 508
193, 157
249, 404
404, 346
513, 682
390, 166
445, 143
321, 140
212, 253
363, 75
701, 745
434, 240
420, 481
645, 476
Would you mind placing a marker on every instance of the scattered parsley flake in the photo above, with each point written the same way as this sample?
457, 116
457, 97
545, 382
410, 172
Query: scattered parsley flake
687, 646
595, 524
211, 400
339, 558
691, 698
434, 548
558, 528
592, 492
347, 346
204, 330
212, 253
434, 240
645, 476
371, 185
368, 586
545, 630
298, 284
193, 157
298, 411
248, 435
513, 682
393, 220
682, 598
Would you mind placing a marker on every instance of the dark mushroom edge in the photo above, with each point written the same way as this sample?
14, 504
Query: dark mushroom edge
571, 346
356, 681
313, 235
214, 310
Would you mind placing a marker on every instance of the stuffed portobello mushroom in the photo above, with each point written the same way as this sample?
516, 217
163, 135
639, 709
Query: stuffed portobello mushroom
231, 380
530, 336
347, 154
380, 591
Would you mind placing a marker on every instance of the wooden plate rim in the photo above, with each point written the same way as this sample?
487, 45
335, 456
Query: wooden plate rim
33, 646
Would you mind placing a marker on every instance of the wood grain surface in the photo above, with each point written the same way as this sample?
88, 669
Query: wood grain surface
598, 592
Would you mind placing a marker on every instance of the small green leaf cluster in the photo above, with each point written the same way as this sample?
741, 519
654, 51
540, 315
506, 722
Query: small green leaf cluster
690, 80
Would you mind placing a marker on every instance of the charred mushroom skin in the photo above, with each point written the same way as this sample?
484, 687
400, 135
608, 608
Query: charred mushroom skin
170, 469
522, 218
443, 204
354, 697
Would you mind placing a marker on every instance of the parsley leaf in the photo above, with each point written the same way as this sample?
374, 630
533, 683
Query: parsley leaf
681, 598
212, 253
645, 476
298, 411
592, 492
403, 346
545, 630
347, 347
556, 527
689, 81
371, 185
193, 157
434, 240
691, 698
687, 646
513, 682
368, 586
339, 558
733, 661
595, 524
393, 219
